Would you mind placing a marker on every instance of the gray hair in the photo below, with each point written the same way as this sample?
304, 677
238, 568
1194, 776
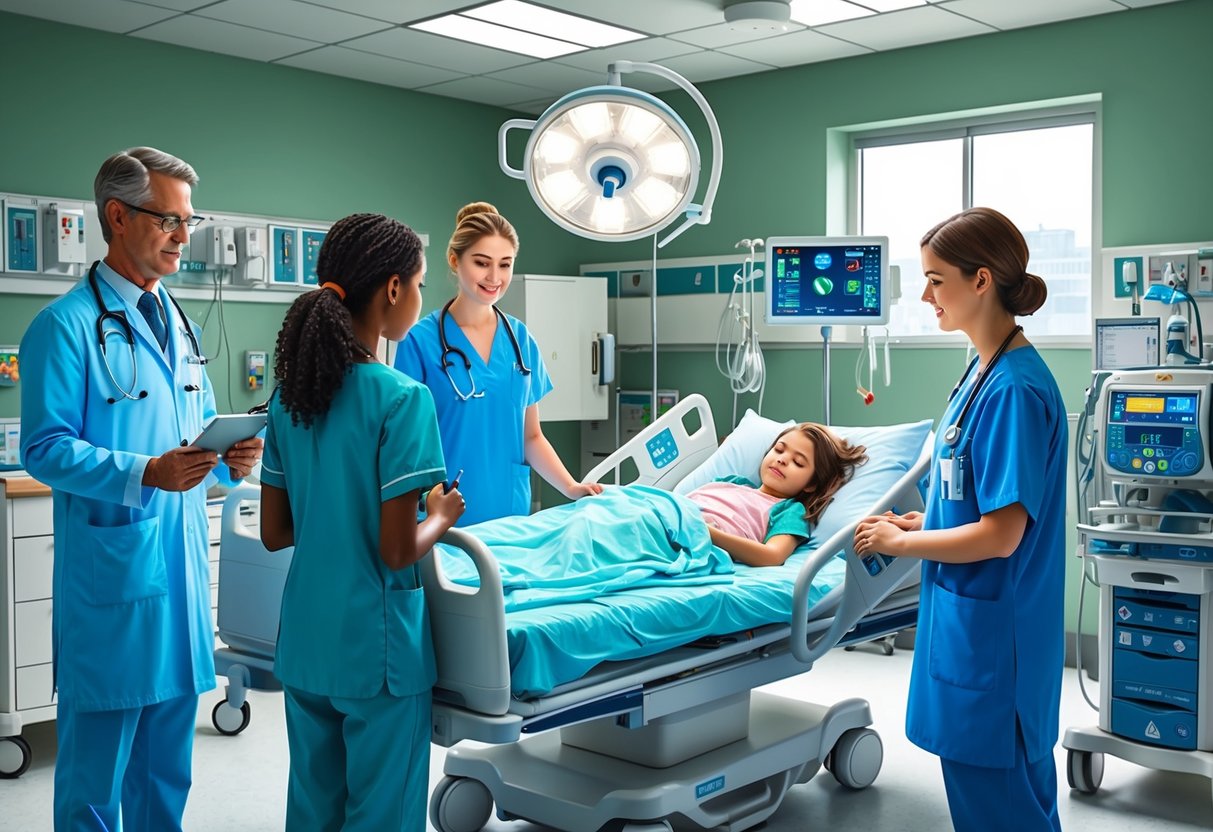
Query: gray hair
125, 177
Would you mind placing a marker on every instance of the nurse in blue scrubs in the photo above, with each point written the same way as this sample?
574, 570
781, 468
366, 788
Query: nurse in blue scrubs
350, 447
986, 683
486, 374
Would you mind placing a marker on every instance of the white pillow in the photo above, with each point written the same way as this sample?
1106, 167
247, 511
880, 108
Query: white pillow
739, 455
892, 450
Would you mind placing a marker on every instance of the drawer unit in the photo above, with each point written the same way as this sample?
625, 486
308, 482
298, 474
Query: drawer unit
1155, 667
33, 568
35, 687
33, 516
32, 633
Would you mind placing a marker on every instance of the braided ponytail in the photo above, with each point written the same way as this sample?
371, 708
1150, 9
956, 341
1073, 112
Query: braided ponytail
317, 346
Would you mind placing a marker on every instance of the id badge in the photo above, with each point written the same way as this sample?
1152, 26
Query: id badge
952, 478
194, 372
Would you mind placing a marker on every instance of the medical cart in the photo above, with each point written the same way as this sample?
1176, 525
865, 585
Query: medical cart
1148, 545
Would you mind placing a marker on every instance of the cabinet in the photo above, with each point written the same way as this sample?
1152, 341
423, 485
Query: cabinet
568, 318
27, 692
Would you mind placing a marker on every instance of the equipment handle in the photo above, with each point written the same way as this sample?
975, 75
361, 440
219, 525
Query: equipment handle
512, 124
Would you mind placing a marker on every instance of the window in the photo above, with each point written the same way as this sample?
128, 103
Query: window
1038, 172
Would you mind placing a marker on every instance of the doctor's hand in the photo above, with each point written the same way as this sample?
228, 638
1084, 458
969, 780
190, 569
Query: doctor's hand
242, 457
911, 521
179, 469
583, 489
446, 504
880, 534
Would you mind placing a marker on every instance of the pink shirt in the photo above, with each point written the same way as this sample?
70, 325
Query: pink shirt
736, 509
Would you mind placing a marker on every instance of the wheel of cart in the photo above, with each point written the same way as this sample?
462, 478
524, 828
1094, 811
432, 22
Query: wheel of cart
1084, 770
15, 757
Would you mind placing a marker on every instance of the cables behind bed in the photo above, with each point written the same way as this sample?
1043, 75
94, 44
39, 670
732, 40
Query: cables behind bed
738, 351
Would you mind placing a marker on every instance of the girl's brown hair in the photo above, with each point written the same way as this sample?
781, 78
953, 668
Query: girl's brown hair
834, 463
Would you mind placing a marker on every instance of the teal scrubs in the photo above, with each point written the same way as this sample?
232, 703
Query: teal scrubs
354, 650
985, 687
481, 436
132, 629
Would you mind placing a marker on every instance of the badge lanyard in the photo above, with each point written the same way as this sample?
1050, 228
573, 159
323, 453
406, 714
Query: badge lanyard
952, 469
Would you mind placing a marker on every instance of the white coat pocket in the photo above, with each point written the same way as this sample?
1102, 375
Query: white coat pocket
128, 562
968, 639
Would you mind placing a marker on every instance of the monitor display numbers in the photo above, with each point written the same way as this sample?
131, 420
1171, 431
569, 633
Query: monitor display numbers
827, 280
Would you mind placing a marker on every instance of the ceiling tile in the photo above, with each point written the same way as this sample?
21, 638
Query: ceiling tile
535, 107
724, 34
1139, 3
797, 48
394, 11
656, 17
709, 66
447, 53
482, 89
287, 17
227, 38
551, 76
107, 15
1021, 13
653, 50
337, 60
910, 27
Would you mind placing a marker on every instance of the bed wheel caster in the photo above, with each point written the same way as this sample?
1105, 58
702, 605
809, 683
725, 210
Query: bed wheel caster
15, 757
855, 759
1084, 770
230, 721
460, 804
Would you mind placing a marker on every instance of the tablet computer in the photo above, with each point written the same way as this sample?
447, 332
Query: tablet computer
224, 431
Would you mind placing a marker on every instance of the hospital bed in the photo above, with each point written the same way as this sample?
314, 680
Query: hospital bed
655, 737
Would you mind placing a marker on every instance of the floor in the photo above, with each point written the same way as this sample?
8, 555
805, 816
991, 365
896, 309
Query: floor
239, 782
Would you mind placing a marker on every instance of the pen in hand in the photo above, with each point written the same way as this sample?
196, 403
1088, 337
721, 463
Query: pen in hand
453, 483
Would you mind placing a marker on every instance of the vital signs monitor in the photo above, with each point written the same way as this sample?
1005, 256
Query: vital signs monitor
827, 280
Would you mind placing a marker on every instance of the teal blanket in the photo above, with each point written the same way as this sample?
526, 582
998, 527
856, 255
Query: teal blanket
625, 538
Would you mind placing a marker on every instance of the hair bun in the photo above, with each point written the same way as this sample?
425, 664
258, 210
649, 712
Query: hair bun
474, 208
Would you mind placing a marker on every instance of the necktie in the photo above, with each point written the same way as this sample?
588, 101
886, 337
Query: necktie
150, 307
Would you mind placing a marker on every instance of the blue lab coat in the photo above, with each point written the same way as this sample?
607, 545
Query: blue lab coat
990, 642
132, 616
482, 436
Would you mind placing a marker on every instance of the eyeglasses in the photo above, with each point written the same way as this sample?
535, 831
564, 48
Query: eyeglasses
168, 222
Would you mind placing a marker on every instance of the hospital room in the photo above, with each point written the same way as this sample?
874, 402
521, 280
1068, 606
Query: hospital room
521, 415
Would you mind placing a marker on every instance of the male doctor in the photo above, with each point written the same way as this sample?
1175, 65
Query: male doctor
108, 427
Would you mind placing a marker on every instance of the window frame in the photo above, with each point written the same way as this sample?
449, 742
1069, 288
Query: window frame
966, 128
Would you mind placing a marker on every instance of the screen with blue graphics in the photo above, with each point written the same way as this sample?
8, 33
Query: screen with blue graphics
827, 280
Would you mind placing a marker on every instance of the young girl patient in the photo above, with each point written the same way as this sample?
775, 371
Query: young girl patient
761, 525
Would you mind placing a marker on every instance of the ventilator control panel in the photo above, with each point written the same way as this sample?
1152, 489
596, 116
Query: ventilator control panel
1156, 432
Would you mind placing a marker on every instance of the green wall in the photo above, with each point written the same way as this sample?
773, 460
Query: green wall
281, 141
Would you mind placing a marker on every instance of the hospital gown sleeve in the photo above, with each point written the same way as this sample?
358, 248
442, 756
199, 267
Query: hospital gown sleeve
53, 447
408, 357
410, 451
1004, 464
540, 381
787, 517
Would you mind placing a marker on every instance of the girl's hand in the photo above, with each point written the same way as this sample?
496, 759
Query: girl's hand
884, 536
446, 504
583, 489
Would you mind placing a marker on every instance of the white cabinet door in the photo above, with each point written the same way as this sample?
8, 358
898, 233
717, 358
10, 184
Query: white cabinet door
32, 628
33, 568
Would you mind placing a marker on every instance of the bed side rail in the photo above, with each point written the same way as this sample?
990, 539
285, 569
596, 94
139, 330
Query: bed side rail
468, 626
665, 451
868, 580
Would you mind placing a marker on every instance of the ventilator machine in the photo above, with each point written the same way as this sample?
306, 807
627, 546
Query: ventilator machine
1147, 542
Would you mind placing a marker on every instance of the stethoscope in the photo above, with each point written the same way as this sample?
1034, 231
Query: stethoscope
447, 349
126, 331
952, 435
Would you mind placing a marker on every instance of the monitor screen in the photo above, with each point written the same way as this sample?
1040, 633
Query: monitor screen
1121, 343
827, 280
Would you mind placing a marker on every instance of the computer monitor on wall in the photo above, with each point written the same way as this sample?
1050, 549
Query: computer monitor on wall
827, 280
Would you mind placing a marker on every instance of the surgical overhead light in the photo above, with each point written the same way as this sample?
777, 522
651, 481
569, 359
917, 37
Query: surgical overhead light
616, 163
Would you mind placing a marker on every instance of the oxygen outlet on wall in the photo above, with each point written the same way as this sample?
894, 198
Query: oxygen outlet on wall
254, 362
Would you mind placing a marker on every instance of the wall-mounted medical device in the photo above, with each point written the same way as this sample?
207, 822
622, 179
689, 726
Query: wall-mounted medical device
254, 368
218, 245
65, 239
21, 236
827, 280
310, 241
284, 255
